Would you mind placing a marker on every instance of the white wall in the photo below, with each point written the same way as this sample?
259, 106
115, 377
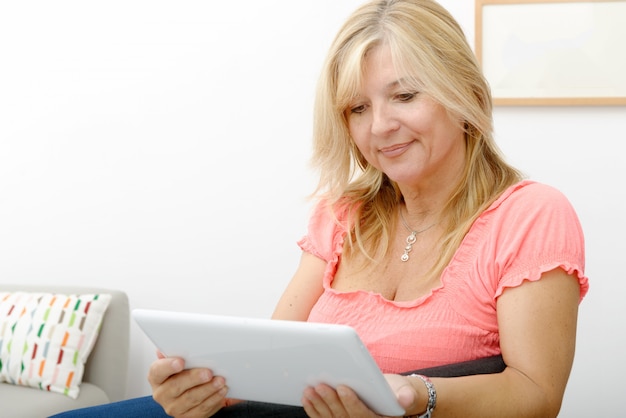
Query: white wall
161, 147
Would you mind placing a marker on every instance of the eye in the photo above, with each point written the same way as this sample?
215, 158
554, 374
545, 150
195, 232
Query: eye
358, 109
406, 97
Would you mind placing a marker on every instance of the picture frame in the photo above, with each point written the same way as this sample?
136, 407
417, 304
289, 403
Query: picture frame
553, 52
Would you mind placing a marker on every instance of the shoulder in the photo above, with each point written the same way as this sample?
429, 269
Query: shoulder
327, 217
534, 228
530, 194
326, 229
531, 203
532, 224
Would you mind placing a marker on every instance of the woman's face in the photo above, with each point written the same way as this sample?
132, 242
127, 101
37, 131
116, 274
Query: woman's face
404, 133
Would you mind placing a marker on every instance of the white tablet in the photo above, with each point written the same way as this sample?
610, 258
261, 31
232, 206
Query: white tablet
269, 360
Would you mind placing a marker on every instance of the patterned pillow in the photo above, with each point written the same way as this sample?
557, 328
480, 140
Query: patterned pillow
46, 338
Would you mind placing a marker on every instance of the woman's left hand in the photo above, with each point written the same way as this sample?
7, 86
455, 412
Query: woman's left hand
322, 401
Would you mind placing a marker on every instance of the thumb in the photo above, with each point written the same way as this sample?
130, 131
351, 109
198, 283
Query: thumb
406, 397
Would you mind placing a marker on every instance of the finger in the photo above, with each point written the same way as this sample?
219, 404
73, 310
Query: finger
177, 384
406, 397
160, 370
353, 404
332, 401
404, 390
215, 402
331, 398
199, 401
313, 404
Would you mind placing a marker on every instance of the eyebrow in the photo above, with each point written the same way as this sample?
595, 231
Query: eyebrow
396, 83
390, 86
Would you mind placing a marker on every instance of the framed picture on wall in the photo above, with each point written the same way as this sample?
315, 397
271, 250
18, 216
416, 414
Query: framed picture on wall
553, 52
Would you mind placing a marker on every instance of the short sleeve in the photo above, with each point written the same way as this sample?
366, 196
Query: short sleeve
538, 231
324, 237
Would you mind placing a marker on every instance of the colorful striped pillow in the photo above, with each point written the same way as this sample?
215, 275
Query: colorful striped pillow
46, 338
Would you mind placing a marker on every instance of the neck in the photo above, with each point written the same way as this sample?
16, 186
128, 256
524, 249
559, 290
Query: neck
421, 210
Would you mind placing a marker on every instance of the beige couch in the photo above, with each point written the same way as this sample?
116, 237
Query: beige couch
105, 371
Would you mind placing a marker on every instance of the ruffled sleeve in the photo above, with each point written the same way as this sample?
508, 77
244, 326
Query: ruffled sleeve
538, 231
324, 237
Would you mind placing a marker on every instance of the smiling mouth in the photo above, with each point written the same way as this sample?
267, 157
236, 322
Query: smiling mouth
395, 150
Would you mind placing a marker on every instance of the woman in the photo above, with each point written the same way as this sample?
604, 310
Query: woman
424, 239
427, 242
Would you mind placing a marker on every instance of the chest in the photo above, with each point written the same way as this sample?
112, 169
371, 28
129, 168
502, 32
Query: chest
404, 336
388, 275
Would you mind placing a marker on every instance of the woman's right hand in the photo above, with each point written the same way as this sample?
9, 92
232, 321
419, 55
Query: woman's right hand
192, 393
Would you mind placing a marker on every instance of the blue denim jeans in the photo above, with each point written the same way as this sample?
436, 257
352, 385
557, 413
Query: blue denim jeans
146, 407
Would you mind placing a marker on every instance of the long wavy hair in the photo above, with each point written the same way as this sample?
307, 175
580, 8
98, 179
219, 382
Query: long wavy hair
428, 46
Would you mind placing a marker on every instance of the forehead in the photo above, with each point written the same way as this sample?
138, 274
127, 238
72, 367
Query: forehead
379, 71
366, 55
378, 67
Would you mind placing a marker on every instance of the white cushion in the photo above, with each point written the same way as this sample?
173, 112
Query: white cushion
45, 338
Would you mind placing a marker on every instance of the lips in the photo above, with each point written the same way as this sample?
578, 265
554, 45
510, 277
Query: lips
395, 150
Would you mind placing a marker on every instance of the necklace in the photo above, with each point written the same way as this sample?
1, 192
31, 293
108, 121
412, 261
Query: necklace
410, 240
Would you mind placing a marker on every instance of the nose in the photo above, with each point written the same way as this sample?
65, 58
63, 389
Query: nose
384, 121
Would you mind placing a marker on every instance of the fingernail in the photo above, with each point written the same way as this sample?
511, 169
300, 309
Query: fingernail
218, 382
203, 376
177, 364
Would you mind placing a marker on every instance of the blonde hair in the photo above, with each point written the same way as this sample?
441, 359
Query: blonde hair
429, 46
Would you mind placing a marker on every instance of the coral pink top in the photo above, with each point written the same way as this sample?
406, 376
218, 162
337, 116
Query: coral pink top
531, 229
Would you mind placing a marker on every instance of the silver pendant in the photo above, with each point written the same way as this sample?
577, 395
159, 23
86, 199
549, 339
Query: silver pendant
410, 240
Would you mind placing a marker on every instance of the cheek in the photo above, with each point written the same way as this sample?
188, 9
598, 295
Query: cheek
358, 135
360, 146
352, 127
